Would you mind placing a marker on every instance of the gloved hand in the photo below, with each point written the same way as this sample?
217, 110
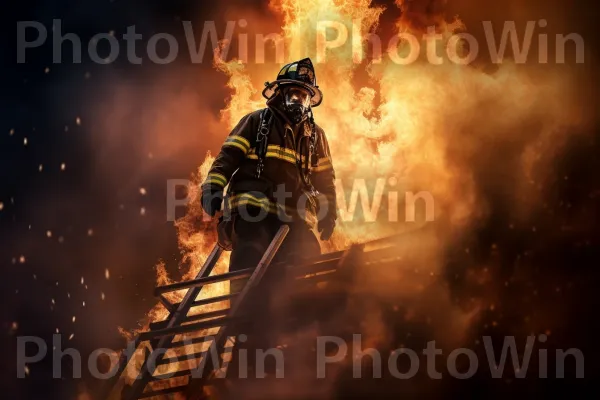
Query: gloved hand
211, 202
325, 227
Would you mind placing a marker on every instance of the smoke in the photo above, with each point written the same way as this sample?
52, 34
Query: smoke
484, 140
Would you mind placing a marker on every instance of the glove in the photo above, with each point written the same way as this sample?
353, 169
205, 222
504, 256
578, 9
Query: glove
211, 202
326, 227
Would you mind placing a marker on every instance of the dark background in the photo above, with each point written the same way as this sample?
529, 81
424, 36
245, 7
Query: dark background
92, 208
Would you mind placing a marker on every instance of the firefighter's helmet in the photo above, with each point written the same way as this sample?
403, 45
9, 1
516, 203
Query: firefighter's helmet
299, 73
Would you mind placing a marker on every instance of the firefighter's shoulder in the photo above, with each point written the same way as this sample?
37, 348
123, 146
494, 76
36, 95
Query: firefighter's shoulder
253, 116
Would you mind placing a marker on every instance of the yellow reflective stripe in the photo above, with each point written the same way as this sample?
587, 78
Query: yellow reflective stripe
324, 160
248, 199
322, 168
263, 202
215, 177
275, 151
281, 156
285, 150
324, 164
243, 140
239, 139
209, 181
236, 144
247, 196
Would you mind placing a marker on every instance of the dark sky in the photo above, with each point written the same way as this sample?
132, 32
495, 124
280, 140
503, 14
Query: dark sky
61, 227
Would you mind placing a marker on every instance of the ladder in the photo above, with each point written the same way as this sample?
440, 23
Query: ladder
334, 269
161, 336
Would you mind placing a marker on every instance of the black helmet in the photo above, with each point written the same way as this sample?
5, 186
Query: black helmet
300, 73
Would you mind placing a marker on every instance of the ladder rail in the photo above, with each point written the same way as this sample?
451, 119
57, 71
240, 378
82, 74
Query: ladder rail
174, 319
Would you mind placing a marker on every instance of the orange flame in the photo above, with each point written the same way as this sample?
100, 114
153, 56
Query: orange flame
416, 123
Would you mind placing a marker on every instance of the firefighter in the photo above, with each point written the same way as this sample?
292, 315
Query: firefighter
278, 170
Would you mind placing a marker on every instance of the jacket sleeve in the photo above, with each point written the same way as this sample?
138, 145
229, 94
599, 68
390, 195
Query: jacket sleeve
233, 152
324, 176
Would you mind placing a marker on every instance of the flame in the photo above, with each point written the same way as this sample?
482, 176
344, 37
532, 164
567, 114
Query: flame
419, 124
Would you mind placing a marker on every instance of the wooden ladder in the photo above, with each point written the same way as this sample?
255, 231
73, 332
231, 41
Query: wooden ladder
161, 336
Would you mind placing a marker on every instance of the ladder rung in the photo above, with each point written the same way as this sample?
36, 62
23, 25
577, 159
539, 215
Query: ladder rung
178, 374
177, 330
154, 326
153, 393
186, 357
229, 276
210, 314
181, 343
320, 259
211, 300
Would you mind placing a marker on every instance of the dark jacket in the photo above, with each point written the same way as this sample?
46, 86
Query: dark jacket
236, 166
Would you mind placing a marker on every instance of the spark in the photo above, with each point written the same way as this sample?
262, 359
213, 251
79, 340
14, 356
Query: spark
25, 141
84, 303
41, 168
143, 211
63, 166
72, 336
102, 296
22, 259
11, 132
49, 233
1, 206
82, 280
74, 319
27, 370
78, 121
143, 191
107, 274
46, 70
90, 232
61, 239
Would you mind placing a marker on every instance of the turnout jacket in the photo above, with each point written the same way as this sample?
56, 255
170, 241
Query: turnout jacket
236, 166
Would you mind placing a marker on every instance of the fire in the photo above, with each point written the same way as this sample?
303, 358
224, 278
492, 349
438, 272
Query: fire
421, 124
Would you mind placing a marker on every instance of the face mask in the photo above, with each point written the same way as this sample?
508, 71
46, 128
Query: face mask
296, 102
